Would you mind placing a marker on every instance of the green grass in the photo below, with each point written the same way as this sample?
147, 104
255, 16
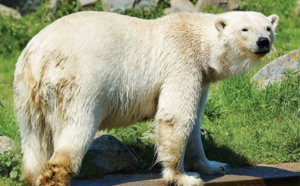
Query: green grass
9, 163
8, 126
260, 125
6, 181
246, 125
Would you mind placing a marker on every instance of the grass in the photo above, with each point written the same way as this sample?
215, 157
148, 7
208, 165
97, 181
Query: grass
246, 125
8, 126
260, 125
6, 181
10, 163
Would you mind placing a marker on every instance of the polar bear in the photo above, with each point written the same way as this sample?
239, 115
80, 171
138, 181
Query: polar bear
95, 70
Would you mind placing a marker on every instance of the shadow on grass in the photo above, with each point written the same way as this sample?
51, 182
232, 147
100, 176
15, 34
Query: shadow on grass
223, 154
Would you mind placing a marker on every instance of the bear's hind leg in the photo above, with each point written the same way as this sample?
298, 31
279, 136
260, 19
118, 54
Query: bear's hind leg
70, 145
36, 138
36, 153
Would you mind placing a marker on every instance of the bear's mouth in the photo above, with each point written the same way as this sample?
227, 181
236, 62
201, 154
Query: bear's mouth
262, 51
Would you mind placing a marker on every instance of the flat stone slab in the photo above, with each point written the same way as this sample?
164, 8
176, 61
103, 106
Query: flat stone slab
261, 175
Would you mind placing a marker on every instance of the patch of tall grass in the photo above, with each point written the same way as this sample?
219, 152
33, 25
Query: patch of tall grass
8, 126
261, 125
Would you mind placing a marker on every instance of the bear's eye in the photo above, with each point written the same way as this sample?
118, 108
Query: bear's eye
245, 29
268, 29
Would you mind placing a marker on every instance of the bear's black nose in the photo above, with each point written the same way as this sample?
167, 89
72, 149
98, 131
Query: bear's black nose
263, 43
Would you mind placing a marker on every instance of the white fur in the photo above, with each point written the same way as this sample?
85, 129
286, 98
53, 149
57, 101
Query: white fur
93, 70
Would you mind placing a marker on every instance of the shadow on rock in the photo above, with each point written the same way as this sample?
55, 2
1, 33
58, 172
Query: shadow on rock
108, 155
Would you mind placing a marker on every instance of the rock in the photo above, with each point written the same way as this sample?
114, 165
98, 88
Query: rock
25, 6
108, 155
182, 6
11, 3
32, 4
107, 5
145, 3
9, 12
53, 4
225, 5
86, 2
112, 5
187, 6
6, 144
275, 70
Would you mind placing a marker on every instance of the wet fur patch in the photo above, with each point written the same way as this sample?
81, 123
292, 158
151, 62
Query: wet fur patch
57, 172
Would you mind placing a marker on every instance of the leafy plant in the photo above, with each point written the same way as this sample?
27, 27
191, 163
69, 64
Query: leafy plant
146, 12
10, 165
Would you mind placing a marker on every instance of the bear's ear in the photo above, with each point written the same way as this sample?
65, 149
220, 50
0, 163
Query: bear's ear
274, 20
220, 24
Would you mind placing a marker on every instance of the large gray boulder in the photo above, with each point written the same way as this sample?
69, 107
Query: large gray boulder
107, 5
27, 5
276, 69
187, 6
9, 12
86, 2
112, 5
182, 6
108, 155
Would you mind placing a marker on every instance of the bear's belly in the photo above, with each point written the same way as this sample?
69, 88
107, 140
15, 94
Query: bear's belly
138, 112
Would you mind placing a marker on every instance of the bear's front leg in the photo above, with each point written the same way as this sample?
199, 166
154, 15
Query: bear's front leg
174, 123
171, 143
195, 158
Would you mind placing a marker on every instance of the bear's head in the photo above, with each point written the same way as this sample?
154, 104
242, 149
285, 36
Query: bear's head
246, 36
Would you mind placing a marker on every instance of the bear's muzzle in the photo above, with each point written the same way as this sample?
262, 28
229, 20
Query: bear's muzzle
263, 45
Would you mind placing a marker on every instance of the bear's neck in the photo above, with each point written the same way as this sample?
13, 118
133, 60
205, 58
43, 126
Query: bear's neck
193, 41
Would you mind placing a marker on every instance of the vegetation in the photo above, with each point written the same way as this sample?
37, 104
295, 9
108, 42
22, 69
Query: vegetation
245, 125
